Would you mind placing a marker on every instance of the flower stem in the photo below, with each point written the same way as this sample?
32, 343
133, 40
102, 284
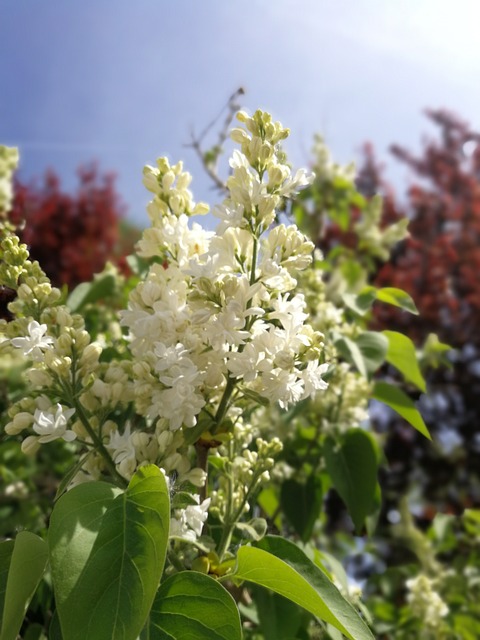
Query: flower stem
96, 439
120, 480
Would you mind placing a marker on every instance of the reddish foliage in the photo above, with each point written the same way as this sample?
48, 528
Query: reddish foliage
72, 236
439, 264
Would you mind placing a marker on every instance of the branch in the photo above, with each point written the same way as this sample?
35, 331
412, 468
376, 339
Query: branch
209, 157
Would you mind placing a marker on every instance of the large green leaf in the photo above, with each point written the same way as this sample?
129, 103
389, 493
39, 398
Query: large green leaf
54, 629
22, 564
279, 618
193, 606
301, 503
107, 551
277, 564
352, 465
34, 631
397, 400
403, 356
6, 551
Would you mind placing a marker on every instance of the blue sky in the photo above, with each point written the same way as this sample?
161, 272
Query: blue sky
123, 82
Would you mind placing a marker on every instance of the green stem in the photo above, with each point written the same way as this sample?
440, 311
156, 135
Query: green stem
229, 525
223, 406
231, 382
202, 463
254, 263
174, 560
99, 445
96, 439
232, 519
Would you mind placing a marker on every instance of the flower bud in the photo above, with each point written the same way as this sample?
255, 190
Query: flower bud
197, 477
30, 445
90, 355
64, 344
82, 339
24, 292
201, 564
22, 420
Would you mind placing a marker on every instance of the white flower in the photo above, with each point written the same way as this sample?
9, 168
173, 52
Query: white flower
122, 451
180, 405
51, 426
425, 602
231, 215
293, 184
196, 515
36, 340
282, 386
312, 378
188, 523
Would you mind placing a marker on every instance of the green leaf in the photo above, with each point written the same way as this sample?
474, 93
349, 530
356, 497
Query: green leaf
353, 272
277, 564
397, 298
403, 356
301, 503
22, 564
54, 629
280, 619
352, 465
268, 501
88, 292
34, 632
193, 606
182, 500
71, 473
373, 347
255, 529
362, 303
107, 552
331, 566
255, 397
6, 551
204, 423
351, 352
397, 400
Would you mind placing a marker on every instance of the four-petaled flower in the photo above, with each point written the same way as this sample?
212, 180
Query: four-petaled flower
36, 340
51, 426
188, 523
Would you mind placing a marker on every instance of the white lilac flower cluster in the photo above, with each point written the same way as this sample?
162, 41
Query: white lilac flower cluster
218, 315
425, 602
375, 239
326, 170
345, 403
215, 329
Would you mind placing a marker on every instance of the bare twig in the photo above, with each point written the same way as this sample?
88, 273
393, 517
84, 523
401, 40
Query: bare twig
209, 157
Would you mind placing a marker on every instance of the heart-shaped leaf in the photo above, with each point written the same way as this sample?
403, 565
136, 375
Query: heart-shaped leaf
107, 552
